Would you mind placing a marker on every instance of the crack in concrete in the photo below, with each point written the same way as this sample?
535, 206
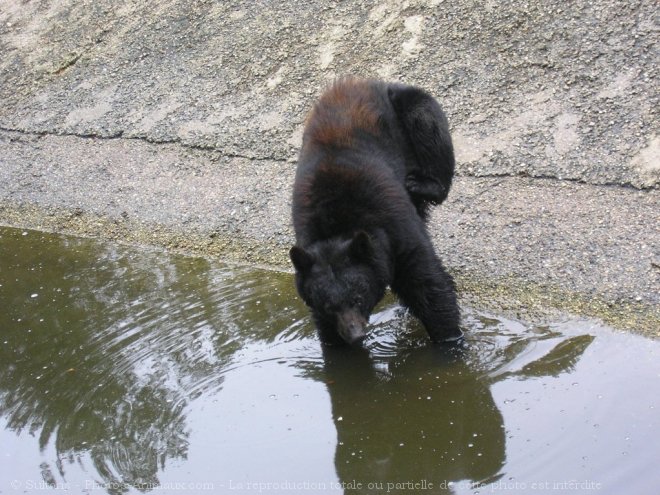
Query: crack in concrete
547, 177
121, 136
201, 147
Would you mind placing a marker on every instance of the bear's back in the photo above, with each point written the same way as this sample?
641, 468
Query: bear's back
351, 169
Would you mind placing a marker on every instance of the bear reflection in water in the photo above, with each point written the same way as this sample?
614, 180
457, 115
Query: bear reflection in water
409, 412
422, 416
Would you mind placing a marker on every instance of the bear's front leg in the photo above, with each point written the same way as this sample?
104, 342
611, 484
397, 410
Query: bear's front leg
428, 291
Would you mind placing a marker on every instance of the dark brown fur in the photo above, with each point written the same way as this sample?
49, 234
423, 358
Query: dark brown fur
346, 109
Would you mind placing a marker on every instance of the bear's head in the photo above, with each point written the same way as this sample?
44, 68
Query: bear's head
339, 280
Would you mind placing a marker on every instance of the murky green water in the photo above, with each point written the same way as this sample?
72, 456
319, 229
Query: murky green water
125, 370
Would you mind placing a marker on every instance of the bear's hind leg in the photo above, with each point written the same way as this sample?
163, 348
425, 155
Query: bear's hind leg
425, 125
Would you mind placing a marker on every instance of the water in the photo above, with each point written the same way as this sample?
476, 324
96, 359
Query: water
130, 371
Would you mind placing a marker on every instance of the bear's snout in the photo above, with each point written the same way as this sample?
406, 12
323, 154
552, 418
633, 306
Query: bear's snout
351, 326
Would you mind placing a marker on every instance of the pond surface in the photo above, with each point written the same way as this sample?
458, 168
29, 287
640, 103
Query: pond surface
129, 371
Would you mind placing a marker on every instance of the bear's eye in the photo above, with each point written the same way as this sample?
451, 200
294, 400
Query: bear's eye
357, 301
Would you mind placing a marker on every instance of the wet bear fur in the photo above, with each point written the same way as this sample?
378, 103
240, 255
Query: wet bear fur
375, 157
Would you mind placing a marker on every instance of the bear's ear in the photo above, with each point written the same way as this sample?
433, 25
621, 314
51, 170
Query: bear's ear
301, 259
361, 248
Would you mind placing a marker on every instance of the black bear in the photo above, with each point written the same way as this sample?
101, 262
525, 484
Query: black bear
375, 156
